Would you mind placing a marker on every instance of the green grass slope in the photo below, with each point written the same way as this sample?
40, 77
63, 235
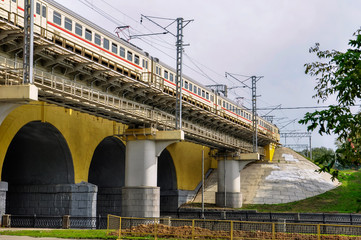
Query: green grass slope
343, 199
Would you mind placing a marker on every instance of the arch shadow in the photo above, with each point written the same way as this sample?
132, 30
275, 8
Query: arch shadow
38, 158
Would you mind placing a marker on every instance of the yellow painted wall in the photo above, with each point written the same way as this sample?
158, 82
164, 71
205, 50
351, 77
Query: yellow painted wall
269, 151
187, 158
81, 131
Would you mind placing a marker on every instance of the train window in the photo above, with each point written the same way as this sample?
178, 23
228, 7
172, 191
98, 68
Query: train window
43, 12
207, 95
14, 1
68, 24
105, 43
145, 64
199, 91
156, 70
122, 52
78, 29
165, 74
136, 59
97, 39
190, 87
195, 89
227, 106
224, 104
186, 85
130, 56
212, 98
219, 101
88, 34
114, 48
171, 77
203, 93
37, 8
57, 18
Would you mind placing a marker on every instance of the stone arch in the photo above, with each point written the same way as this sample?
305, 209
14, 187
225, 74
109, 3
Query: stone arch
37, 159
167, 181
167, 176
38, 154
107, 171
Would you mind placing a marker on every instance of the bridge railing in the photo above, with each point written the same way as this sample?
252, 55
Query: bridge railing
95, 101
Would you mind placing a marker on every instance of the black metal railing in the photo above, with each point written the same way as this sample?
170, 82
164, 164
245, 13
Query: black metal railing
319, 218
35, 221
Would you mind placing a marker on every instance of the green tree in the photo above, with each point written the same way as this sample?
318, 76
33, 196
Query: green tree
338, 74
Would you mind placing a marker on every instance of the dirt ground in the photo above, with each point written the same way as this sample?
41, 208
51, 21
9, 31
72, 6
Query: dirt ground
185, 232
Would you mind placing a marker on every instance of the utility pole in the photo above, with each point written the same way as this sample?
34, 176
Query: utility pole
28, 42
179, 44
254, 105
181, 23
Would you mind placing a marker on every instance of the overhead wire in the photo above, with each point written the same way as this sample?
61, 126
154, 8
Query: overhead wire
156, 42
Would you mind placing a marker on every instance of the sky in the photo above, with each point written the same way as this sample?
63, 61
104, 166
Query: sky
268, 38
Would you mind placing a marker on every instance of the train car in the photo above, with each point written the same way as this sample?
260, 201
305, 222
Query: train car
63, 26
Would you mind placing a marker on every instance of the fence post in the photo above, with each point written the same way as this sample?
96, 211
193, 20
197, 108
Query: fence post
192, 228
6, 221
120, 227
34, 220
97, 226
351, 219
155, 229
66, 221
273, 231
318, 232
231, 230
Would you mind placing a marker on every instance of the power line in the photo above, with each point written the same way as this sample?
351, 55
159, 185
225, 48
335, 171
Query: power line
304, 107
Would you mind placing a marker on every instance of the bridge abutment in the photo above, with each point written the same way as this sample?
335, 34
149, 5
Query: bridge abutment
229, 179
141, 195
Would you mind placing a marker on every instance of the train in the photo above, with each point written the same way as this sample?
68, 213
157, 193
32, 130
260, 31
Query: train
108, 49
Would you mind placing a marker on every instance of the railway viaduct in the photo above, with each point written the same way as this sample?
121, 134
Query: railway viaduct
85, 140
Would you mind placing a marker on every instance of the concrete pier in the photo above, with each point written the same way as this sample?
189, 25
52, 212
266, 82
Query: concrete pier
229, 179
141, 196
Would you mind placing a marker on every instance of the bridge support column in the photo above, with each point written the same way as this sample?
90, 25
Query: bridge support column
141, 195
229, 179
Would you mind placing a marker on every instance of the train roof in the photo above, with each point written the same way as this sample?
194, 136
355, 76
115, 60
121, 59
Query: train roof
132, 46
96, 27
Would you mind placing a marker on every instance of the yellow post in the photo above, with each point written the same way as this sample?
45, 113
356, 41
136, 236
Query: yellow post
231, 230
193, 229
155, 229
108, 224
273, 231
318, 232
120, 227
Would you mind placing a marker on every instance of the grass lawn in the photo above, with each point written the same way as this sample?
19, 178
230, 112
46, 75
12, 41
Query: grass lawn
343, 199
66, 233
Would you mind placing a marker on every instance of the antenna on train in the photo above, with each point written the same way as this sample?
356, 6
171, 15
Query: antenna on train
181, 24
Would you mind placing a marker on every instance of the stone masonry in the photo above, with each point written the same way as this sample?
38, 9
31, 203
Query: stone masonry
290, 177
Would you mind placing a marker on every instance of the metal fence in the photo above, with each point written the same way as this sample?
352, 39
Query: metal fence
324, 218
34, 221
226, 229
